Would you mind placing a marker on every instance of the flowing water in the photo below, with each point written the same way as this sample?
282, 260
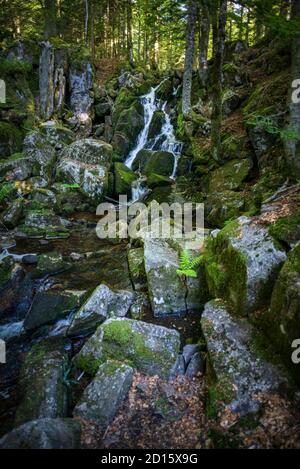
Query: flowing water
164, 141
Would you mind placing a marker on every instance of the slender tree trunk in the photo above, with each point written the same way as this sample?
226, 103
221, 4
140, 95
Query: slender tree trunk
248, 28
129, 32
293, 146
214, 20
86, 22
203, 43
189, 58
218, 87
50, 29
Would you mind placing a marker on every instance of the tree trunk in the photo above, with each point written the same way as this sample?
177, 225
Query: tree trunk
293, 145
50, 29
189, 56
129, 32
218, 79
86, 22
203, 43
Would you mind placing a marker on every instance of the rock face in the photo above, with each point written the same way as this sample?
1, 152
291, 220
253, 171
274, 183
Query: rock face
81, 94
86, 163
103, 304
13, 215
242, 263
44, 434
283, 318
42, 384
37, 147
241, 375
149, 348
169, 294
46, 80
103, 397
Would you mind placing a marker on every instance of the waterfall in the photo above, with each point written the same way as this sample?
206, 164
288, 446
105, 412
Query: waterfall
165, 141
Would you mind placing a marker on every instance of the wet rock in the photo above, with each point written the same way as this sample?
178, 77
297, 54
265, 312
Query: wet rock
11, 331
37, 147
129, 124
142, 158
49, 306
30, 259
195, 366
102, 304
156, 124
241, 375
86, 163
102, 399
149, 348
242, 265
137, 268
51, 263
161, 162
42, 384
13, 215
124, 178
44, 434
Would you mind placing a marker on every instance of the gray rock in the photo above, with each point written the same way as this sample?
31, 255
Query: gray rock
179, 368
37, 147
102, 304
13, 215
30, 259
241, 375
249, 261
139, 306
42, 384
86, 163
49, 306
102, 399
44, 434
51, 263
17, 167
189, 351
195, 366
149, 348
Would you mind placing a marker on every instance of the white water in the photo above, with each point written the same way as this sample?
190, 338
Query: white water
165, 141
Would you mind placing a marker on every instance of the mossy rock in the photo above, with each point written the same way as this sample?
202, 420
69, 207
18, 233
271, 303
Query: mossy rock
6, 268
286, 230
137, 268
223, 206
230, 176
141, 160
156, 124
149, 348
242, 263
282, 321
161, 162
51, 263
124, 178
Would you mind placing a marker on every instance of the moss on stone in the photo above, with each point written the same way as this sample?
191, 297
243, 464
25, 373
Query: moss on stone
286, 230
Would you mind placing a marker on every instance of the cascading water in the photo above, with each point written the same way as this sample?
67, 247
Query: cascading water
165, 141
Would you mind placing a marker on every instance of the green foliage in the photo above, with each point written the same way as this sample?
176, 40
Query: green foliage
188, 265
14, 66
5, 191
71, 186
267, 124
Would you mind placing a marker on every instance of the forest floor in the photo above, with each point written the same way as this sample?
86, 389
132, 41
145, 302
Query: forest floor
162, 415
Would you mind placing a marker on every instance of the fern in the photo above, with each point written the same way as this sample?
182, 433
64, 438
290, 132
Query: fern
188, 265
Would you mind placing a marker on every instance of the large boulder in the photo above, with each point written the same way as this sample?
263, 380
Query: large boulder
102, 399
86, 163
14, 213
230, 176
169, 293
44, 434
44, 394
37, 147
282, 321
44, 222
161, 162
242, 263
156, 124
102, 304
238, 376
50, 306
16, 168
149, 348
